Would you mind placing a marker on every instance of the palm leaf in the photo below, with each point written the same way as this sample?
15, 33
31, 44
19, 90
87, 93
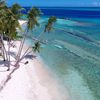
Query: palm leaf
36, 47
32, 18
50, 23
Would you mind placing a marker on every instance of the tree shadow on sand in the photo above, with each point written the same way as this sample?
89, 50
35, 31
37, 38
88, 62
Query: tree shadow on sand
3, 65
30, 56
13, 54
8, 77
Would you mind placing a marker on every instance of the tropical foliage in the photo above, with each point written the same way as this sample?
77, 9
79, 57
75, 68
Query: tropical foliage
48, 26
32, 18
16, 10
36, 47
9, 24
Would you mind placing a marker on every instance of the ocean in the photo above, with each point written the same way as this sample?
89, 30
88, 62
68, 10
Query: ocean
72, 52
69, 12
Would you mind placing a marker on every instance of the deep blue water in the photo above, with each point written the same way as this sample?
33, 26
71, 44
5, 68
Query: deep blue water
70, 12
73, 50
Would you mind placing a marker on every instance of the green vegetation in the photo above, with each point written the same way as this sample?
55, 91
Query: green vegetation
9, 26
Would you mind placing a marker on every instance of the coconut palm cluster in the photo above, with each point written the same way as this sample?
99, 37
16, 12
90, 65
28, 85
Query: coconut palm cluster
9, 26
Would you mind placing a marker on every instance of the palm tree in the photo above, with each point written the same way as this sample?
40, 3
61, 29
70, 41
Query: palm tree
32, 18
2, 26
36, 47
49, 24
8, 25
33, 14
16, 10
10, 22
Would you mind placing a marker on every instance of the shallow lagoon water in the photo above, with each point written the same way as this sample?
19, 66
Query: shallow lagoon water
74, 59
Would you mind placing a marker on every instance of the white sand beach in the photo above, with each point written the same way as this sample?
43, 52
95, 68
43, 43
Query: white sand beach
31, 81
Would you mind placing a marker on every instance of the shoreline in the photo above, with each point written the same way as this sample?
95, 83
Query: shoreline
30, 82
44, 82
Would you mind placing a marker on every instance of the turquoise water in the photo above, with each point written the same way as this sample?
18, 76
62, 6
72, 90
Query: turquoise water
73, 55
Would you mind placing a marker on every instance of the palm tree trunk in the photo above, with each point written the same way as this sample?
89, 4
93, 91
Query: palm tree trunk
8, 54
18, 54
40, 34
26, 53
5, 52
20, 49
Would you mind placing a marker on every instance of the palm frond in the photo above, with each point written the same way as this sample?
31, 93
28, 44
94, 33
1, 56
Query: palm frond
36, 47
49, 24
32, 18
